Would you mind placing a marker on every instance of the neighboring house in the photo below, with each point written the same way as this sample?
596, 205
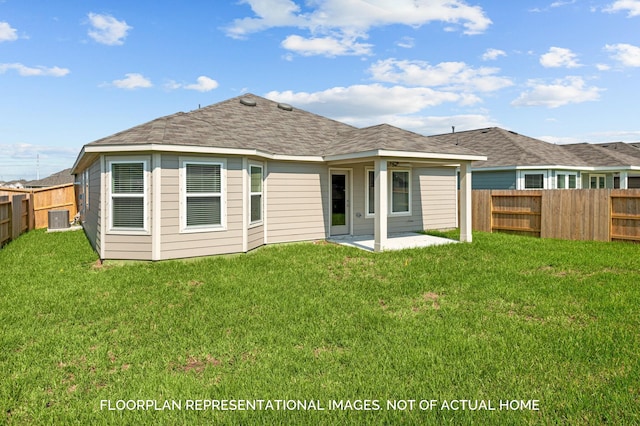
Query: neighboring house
248, 171
626, 153
60, 178
516, 161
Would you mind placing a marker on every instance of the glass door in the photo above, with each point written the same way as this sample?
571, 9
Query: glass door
339, 203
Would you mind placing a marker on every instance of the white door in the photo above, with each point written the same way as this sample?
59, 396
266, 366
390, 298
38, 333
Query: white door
340, 204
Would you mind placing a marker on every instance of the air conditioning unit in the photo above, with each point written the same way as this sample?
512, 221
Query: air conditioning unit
58, 219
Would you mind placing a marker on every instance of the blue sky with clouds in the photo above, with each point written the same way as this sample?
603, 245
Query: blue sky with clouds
75, 71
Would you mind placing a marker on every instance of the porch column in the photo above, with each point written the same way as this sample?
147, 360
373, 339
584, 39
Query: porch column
465, 202
380, 224
624, 180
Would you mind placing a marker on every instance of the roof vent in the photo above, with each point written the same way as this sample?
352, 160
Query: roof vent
247, 102
285, 107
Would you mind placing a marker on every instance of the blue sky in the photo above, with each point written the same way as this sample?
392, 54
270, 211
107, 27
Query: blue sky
75, 71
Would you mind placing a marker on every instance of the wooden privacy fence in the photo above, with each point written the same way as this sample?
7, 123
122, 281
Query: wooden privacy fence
572, 214
16, 216
60, 197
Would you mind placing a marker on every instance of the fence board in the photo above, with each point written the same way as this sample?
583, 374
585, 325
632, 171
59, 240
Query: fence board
61, 197
571, 214
14, 216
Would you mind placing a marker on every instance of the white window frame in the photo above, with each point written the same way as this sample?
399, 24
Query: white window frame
183, 161
390, 211
566, 176
367, 202
260, 193
409, 195
597, 176
145, 195
522, 179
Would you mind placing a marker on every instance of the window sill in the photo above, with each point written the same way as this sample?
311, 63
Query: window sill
196, 230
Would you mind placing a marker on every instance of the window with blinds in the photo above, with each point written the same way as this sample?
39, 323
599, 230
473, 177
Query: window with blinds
203, 194
256, 193
128, 195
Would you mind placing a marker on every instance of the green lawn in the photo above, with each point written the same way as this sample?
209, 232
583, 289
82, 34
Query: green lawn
554, 324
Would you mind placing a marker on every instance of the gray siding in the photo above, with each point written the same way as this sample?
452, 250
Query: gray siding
493, 180
175, 244
256, 237
296, 201
438, 197
91, 220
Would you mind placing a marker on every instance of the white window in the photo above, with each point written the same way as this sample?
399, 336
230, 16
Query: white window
85, 190
399, 192
128, 195
256, 193
370, 195
202, 195
566, 180
532, 179
597, 181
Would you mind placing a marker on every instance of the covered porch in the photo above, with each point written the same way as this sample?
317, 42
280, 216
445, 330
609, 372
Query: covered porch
400, 241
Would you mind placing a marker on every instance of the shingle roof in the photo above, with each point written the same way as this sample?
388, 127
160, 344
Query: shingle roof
507, 148
387, 137
627, 149
607, 155
272, 128
60, 178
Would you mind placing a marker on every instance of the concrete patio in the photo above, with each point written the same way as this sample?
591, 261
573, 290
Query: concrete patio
401, 241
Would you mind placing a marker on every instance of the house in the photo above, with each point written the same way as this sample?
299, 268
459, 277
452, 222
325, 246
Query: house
515, 161
248, 171
62, 177
626, 153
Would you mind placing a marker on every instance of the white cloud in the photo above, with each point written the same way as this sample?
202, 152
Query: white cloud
603, 67
132, 81
559, 57
26, 71
406, 42
7, 33
361, 106
369, 102
351, 20
107, 30
450, 75
493, 54
569, 90
326, 46
631, 6
204, 84
627, 54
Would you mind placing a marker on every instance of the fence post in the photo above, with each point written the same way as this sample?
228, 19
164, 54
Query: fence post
16, 215
31, 214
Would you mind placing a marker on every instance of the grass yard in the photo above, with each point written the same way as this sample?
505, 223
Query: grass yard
505, 318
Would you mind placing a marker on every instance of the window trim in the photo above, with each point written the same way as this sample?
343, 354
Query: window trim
145, 195
597, 176
522, 179
566, 175
390, 211
409, 194
367, 202
261, 193
183, 161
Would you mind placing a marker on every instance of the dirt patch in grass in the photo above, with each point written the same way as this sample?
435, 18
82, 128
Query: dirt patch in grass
195, 364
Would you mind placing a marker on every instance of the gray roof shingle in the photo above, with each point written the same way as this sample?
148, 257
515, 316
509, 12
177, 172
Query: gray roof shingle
605, 155
507, 148
267, 127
